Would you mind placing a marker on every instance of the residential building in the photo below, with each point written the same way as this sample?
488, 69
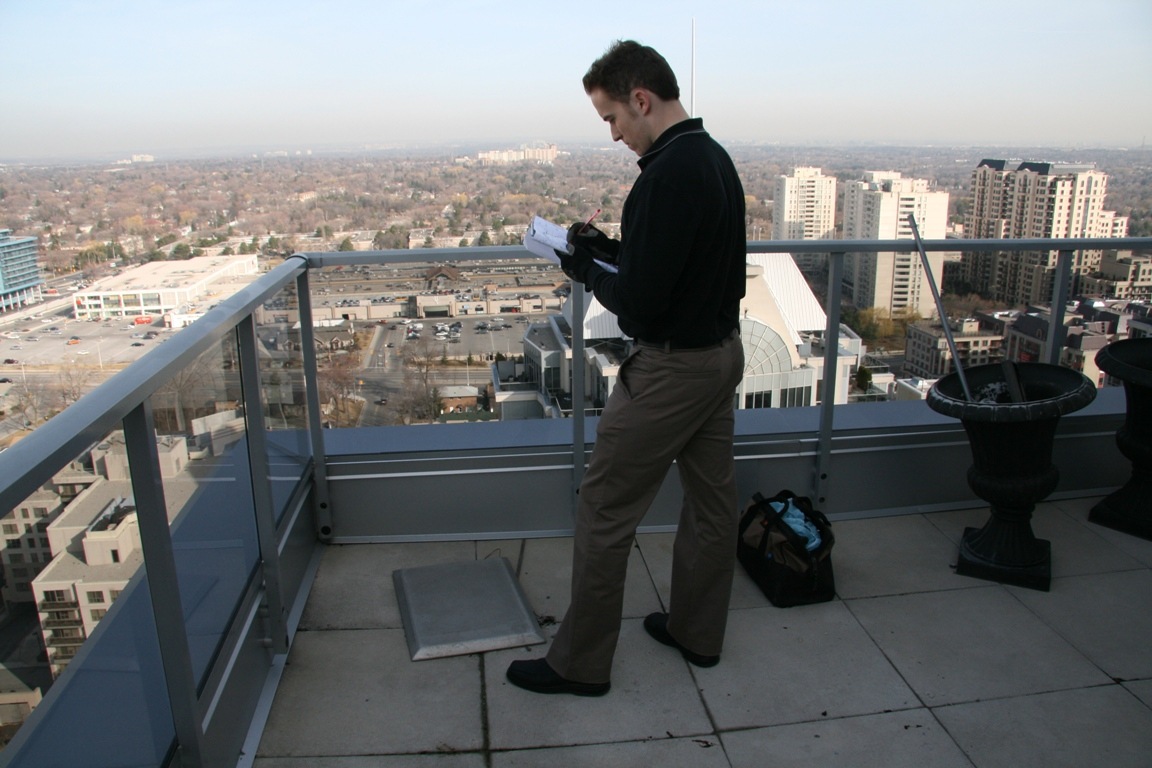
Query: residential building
804, 208
20, 281
1080, 348
927, 354
542, 154
95, 541
877, 208
1122, 275
27, 549
1033, 200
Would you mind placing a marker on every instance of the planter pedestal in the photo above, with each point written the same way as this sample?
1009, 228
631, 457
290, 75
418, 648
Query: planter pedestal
1012, 466
1129, 509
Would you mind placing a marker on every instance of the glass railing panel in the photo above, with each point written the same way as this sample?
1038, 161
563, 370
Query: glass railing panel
396, 341
201, 439
420, 342
283, 394
73, 551
69, 550
116, 709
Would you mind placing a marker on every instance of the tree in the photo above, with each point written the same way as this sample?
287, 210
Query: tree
346, 245
336, 384
419, 399
190, 391
484, 239
863, 378
73, 380
28, 404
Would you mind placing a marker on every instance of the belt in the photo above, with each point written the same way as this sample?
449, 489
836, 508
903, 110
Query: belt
672, 346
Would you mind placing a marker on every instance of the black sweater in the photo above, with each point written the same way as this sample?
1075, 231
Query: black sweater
682, 244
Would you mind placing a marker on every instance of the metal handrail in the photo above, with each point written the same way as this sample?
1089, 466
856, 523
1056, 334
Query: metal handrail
124, 400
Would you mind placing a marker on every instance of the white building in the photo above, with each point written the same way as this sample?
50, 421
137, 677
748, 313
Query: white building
781, 327
804, 208
877, 208
166, 287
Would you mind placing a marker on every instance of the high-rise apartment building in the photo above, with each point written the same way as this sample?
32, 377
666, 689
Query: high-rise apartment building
1034, 200
804, 207
877, 208
20, 281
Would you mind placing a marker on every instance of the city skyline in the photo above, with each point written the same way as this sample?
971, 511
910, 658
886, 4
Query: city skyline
103, 81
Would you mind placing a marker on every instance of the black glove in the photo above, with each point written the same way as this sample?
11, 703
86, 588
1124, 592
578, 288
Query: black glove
577, 264
587, 236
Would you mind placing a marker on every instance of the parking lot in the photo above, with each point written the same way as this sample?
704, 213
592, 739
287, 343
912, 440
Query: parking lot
52, 339
458, 337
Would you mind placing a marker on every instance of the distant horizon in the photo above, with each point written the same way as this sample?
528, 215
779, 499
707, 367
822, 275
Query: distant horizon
201, 78
470, 149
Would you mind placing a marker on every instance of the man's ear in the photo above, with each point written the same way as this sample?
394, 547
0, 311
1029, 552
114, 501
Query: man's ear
642, 99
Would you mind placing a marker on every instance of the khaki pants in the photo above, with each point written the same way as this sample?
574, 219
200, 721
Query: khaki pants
666, 406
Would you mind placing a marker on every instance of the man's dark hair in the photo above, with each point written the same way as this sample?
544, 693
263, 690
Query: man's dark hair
627, 65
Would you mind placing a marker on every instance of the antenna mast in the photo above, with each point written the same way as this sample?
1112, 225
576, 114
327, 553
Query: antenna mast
692, 83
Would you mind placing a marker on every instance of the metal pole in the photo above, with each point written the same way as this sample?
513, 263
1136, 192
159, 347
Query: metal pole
1056, 330
260, 477
163, 585
831, 371
576, 296
323, 506
940, 308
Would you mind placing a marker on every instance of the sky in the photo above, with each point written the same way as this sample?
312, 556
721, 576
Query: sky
105, 79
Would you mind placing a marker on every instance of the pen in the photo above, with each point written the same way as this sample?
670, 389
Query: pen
589, 222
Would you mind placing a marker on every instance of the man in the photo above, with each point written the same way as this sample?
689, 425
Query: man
681, 261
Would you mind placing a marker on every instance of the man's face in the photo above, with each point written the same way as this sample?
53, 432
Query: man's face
626, 120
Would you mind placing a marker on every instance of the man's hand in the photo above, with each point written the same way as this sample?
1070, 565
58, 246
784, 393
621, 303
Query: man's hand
576, 264
586, 236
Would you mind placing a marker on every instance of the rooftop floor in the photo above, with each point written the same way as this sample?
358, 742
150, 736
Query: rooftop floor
911, 665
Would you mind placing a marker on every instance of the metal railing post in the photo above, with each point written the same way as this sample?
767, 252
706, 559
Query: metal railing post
163, 585
831, 374
1062, 284
323, 506
578, 302
260, 478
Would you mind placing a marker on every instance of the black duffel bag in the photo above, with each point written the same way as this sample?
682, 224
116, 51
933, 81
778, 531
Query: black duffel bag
789, 567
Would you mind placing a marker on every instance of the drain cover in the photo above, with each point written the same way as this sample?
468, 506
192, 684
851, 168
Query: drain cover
454, 609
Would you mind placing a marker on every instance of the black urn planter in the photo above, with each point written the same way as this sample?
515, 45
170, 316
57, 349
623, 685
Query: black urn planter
1011, 438
1129, 509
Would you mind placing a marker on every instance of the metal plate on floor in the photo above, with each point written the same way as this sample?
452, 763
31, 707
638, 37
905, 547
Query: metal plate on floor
455, 609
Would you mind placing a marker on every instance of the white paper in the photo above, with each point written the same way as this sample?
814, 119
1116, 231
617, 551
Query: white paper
543, 237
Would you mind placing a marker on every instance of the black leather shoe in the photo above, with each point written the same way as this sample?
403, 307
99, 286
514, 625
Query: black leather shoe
538, 677
656, 624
